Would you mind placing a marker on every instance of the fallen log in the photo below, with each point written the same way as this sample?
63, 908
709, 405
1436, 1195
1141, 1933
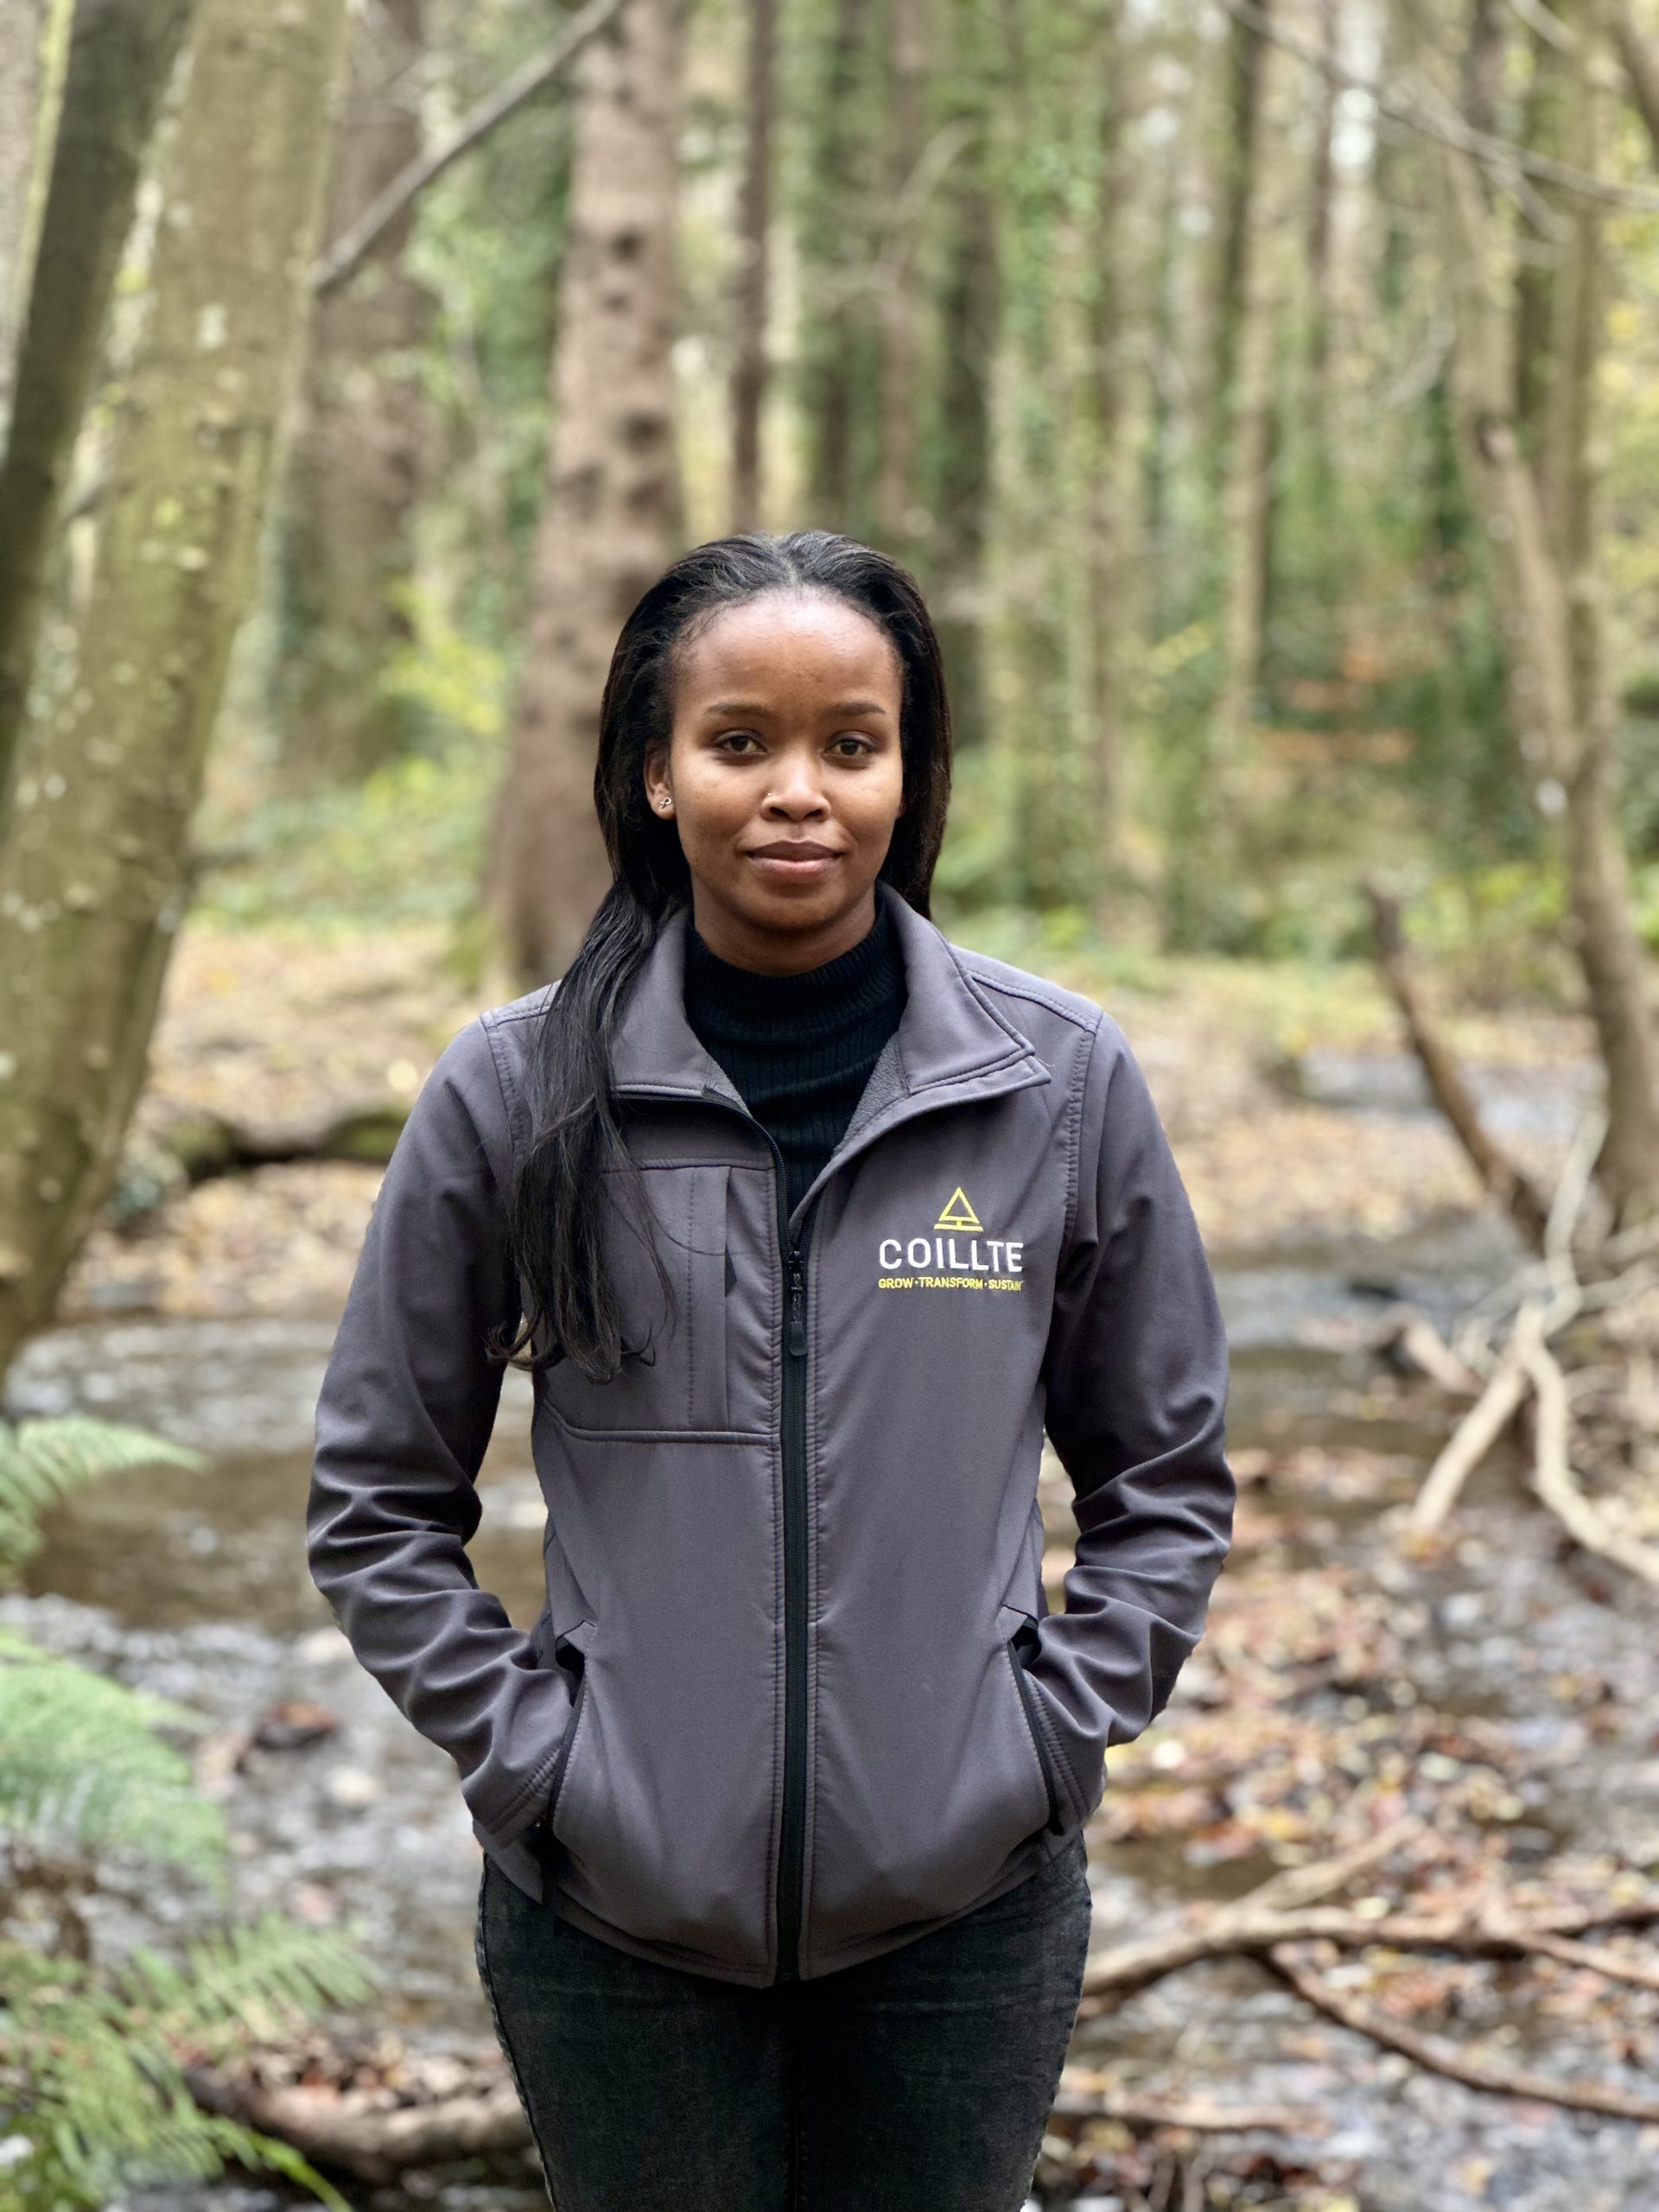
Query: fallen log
358, 2133
196, 1147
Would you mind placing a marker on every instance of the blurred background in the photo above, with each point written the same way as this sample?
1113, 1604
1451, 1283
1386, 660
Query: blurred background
1262, 393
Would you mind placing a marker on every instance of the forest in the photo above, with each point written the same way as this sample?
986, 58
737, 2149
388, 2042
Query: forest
1265, 396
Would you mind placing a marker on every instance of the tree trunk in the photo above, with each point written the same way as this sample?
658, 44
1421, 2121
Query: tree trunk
608, 511
1544, 572
120, 53
749, 366
1545, 120
1104, 413
895, 478
354, 471
1321, 271
93, 879
969, 314
839, 340
1244, 374
22, 31
1639, 52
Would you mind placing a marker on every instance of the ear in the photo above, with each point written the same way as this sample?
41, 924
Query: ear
655, 777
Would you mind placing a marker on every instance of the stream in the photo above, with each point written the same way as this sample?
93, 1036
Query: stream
195, 1586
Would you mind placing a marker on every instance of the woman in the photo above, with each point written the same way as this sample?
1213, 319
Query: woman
808, 1222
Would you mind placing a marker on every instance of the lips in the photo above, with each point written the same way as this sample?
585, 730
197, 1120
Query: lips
792, 858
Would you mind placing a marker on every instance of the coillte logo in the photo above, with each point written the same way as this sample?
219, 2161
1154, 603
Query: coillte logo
967, 1259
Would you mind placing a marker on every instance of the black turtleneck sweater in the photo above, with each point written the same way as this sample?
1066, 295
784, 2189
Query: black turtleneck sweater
799, 1048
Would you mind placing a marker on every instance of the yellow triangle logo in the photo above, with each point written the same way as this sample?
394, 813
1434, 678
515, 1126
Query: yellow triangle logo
958, 1214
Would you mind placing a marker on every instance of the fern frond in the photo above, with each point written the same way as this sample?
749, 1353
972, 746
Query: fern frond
92, 2064
256, 1979
80, 1767
42, 1460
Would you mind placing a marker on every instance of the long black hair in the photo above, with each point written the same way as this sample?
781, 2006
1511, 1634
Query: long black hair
556, 1208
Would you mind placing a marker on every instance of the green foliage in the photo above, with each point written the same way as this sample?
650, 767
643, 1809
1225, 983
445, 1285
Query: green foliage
81, 1767
96, 2061
95, 2090
41, 1461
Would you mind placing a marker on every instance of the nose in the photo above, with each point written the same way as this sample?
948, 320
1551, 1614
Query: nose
796, 793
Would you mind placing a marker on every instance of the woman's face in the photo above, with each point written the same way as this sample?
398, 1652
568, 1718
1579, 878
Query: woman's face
783, 776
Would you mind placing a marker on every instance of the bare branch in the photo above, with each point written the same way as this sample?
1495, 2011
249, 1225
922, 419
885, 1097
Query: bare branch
1500, 155
348, 253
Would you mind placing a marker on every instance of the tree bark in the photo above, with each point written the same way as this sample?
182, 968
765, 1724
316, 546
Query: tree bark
120, 53
969, 314
749, 366
354, 471
1244, 388
93, 874
895, 477
839, 339
1104, 414
23, 29
1541, 525
1640, 55
610, 499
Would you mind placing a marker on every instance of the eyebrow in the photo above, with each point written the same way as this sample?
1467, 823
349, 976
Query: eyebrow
758, 706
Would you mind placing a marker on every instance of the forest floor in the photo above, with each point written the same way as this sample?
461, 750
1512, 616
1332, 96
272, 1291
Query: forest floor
1494, 1688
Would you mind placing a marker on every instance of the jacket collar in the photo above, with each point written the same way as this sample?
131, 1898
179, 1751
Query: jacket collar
949, 1035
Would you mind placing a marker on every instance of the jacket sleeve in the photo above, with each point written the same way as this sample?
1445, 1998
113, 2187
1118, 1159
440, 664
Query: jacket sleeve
1136, 1376
404, 1416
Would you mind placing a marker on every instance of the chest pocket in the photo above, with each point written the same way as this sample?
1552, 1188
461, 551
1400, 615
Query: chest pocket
674, 1378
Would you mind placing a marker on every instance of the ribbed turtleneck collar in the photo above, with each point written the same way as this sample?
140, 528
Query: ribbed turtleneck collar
855, 982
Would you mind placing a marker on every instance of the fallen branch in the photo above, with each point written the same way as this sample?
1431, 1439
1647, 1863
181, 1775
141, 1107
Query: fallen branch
1438, 2056
1086, 2094
1512, 1187
353, 248
1233, 1931
1553, 1478
1470, 1442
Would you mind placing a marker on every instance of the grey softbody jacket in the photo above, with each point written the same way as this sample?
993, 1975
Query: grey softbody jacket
795, 1695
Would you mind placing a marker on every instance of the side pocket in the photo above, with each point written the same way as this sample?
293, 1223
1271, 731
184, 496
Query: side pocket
568, 1646
1023, 1637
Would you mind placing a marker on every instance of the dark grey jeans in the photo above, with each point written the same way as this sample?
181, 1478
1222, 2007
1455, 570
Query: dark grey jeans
918, 2082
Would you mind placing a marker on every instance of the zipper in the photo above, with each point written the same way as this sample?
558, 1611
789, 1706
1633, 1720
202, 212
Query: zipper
791, 1842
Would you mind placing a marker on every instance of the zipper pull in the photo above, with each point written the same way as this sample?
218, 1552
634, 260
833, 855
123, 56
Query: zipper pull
796, 1307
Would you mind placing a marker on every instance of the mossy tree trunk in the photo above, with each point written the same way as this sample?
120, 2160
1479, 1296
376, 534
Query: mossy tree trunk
93, 873
609, 503
120, 53
22, 34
